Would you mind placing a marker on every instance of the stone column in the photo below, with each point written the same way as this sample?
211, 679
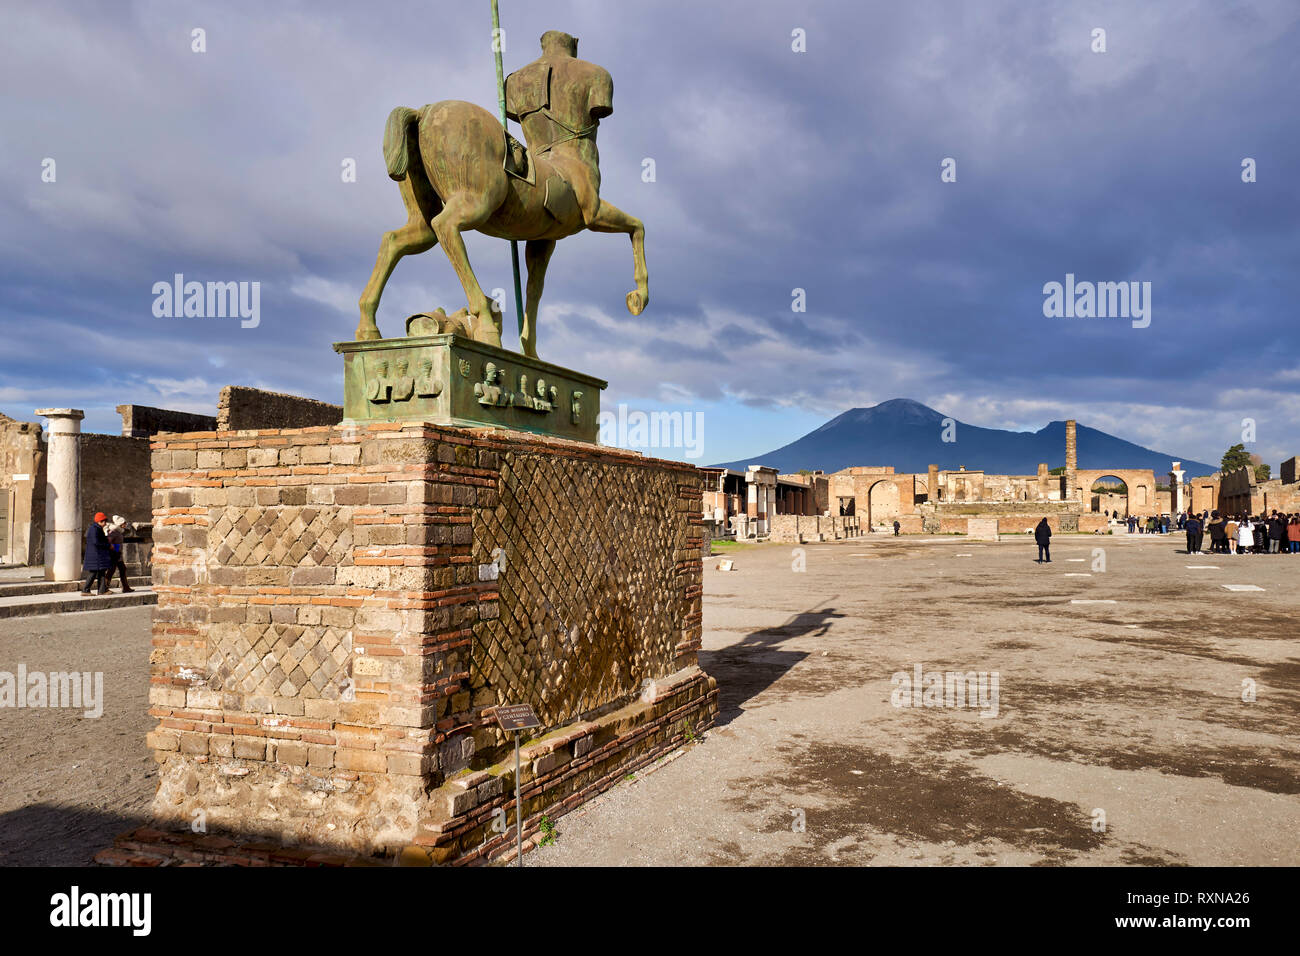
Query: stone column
1176, 502
63, 494
1044, 481
932, 484
1071, 460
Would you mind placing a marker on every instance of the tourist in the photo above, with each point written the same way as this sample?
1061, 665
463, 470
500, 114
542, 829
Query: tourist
897, 527
1245, 534
1276, 532
1193, 528
98, 558
1043, 538
115, 541
1293, 534
1218, 534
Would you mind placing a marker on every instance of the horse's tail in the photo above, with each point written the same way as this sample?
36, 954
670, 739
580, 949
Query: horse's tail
397, 140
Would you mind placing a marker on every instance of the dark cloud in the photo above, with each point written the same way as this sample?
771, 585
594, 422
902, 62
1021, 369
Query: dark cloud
774, 171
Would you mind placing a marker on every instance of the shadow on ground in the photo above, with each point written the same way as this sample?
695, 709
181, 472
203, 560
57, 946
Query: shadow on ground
746, 669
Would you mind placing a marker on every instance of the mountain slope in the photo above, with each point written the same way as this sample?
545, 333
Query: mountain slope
909, 436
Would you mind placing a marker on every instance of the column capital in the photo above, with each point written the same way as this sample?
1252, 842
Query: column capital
76, 414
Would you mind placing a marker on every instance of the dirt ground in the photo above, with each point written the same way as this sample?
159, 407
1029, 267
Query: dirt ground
69, 783
1121, 736
1133, 709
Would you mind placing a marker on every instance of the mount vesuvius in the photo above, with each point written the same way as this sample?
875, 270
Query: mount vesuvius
909, 436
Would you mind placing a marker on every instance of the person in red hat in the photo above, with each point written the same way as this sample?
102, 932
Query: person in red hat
98, 559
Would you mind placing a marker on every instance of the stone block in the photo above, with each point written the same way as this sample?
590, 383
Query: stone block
250, 748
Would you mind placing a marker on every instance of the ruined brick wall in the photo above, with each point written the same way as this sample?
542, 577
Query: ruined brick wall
1036, 508
1093, 524
143, 421
803, 528
1276, 495
1012, 488
22, 453
244, 409
1204, 495
115, 477
340, 607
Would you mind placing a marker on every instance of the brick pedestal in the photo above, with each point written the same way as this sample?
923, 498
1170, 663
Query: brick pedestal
340, 608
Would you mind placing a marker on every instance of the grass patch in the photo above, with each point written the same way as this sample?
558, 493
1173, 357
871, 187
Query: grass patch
722, 546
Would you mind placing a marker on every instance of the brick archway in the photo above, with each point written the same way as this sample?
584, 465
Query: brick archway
883, 500
1140, 484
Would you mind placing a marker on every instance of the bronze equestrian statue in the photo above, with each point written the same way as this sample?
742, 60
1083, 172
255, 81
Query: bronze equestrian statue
458, 169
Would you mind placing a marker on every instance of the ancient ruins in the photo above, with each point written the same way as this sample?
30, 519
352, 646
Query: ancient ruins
758, 504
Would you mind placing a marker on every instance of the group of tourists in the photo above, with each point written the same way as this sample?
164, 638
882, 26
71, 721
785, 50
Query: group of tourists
103, 554
1154, 524
1241, 534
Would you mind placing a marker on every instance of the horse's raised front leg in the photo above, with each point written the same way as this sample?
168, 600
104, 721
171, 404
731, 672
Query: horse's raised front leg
537, 253
460, 212
415, 237
609, 218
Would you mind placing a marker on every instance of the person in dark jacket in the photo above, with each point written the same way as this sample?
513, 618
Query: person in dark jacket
1218, 534
98, 558
1193, 528
116, 540
897, 527
1043, 538
1276, 532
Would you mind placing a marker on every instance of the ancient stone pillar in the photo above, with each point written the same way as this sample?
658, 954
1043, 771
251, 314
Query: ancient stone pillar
63, 494
1176, 500
1071, 460
932, 484
1044, 481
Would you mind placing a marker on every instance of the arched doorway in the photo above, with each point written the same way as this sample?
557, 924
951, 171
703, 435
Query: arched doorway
882, 502
1110, 494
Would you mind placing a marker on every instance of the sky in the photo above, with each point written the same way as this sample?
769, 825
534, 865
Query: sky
776, 169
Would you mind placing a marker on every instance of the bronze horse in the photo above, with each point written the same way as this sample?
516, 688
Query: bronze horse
458, 170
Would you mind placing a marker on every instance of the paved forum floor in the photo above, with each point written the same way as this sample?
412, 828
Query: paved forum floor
1130, 709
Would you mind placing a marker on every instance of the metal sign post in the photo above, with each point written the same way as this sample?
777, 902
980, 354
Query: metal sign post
519, 809
517, 717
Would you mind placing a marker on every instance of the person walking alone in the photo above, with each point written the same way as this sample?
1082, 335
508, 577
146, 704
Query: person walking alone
1043, 538
1193, 528
98, 557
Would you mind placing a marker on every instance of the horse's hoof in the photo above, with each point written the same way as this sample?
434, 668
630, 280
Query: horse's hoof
366, 333
635, 302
